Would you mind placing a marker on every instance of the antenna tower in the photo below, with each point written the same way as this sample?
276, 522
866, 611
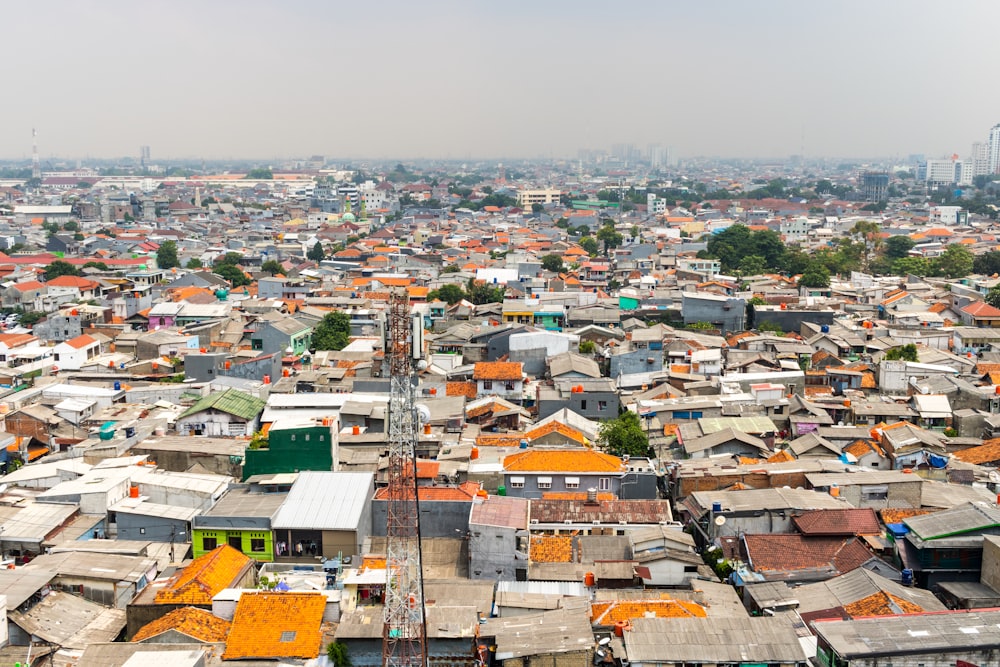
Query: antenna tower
404, 632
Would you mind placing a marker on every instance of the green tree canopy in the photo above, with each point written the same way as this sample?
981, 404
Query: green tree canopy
609, 237
233, 274
260, 173
450, 294
897, 247
955, 262
272, 266
988, 263
193, 263
333, 332
100, 266
229, 258
316, 253
552, 263
906, 352
624, 436
589, 245
60, 268
752, 265
918, 266
166, 255
816, 276
480, 292
993, 296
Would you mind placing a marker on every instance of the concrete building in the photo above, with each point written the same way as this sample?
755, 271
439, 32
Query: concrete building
494, 551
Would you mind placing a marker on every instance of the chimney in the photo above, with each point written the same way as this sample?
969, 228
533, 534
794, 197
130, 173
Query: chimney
591, 496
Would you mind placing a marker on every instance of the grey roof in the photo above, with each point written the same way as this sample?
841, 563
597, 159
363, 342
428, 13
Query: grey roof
19, 585
119, 654
857, 585
326, 501
110, 567
962, 519
713, 640
35, 522
70, 621
557, 631
958, 632
570, 363
752, 500
722, 437
810, 441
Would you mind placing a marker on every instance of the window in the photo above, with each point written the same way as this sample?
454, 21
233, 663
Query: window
487, 384
604, 484
544, 482
517, 482
257, 544
509, 385
875, 492
209, 543
583, 405
287, 636
256, 344
602, 406
572, 482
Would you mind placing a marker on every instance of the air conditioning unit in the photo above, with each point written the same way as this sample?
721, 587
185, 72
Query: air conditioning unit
534, 521
597, 522
623, 523
568, 522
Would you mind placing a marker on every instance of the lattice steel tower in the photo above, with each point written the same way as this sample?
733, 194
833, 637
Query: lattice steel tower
404, 631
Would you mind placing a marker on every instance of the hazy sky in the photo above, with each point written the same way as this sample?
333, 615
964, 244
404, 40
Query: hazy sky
518, 78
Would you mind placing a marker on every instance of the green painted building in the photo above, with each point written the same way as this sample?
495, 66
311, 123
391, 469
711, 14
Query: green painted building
292, 446
241, 519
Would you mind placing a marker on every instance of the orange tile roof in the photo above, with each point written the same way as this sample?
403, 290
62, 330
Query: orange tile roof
898, 515
881, 604
987, 452
467, 389
781, 457
205, 577
497, 370
81, 341
551, 549
197, 623
613, 611
556, 427
938, 307
582, 460
574, 495
276, 625
73, 281
981, 309
465, 491
499, 440
16, 340
428, 469
371, 562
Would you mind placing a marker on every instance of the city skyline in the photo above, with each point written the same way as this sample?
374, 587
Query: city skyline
466, 81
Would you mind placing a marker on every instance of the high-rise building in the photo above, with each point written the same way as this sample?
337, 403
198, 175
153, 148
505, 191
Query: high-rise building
993, 154
875, 185
940, 172
980, 158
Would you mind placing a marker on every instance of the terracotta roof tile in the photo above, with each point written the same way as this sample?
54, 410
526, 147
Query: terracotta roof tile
497, 370
881, 604
849, 521
499, 440
205, 577
467, 389
783, 456
611, 612
789, 552
276, 625
583, 460
987, 452
556, 427
898, 515
197, 623
551, 549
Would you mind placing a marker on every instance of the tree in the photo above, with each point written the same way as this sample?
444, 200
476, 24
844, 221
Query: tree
451, 268
869, 235
333, 332
336, 652
316, 253
60, 268
587, 347
537, 208
480, 292
100, 266
261, 173
624, 436
752, 265
955, 262
987, 264
609, 237
229, 258
72, 226
553, 263
84, 185
272, 266
898, 247
816, 276
906, 352
233, 274
450, 294
993, 296
193, 263
166, 255
589, 245
918, 266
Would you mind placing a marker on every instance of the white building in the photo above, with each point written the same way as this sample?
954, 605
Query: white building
525, 198
73, 354
993, 150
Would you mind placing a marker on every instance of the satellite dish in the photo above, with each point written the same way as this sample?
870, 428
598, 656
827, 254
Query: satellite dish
423, 414
720, 520
604, 641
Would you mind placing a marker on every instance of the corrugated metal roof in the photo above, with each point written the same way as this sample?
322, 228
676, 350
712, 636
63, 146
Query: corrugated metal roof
326, 501
231, 401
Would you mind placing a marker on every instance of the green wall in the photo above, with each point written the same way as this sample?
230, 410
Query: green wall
246, 540
291, 450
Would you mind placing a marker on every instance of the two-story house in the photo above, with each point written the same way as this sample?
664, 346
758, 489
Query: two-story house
73, 354
533, 473
499, 378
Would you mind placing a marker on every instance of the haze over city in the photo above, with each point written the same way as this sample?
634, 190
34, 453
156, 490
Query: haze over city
514, 79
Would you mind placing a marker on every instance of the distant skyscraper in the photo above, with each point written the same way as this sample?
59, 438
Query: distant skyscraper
875, 185
143, 156
994, 150
980, 159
